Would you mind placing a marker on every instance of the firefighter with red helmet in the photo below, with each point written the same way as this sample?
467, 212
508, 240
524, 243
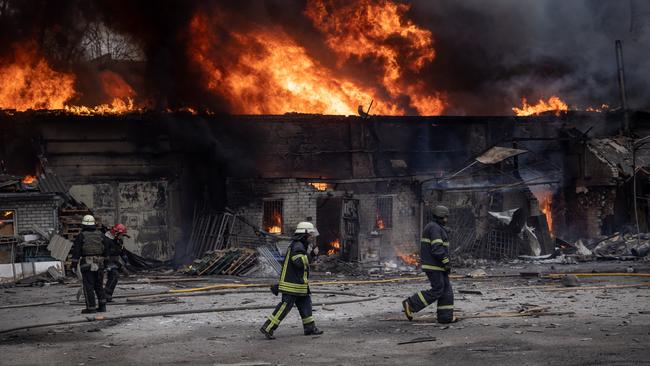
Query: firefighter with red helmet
113, 241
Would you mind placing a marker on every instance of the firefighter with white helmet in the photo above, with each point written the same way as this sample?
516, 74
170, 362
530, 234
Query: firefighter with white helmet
88, 257
294, 282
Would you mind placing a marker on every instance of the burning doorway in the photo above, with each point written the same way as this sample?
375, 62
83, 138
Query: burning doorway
338, 224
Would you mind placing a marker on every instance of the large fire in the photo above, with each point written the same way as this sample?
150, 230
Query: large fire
554, 104
334, 246
27, 81
264, 70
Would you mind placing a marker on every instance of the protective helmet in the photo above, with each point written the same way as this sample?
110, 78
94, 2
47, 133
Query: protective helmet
118, 229
88, 220
306, 227
440, 212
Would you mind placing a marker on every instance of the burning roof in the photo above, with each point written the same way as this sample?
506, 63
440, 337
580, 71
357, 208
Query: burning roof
316, 56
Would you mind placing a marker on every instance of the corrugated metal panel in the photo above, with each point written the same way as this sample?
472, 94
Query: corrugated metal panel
51, 183
59, 247
271, 255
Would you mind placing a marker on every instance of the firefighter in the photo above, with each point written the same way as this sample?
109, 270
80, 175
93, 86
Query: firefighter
294, 282
88, 257
114, 251
434, 254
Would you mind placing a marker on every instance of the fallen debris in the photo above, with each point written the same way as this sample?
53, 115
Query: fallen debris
419, 340
235, 262
570, 281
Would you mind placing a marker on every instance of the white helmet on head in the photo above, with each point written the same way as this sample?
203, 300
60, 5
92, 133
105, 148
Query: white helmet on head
88, 220
306, 227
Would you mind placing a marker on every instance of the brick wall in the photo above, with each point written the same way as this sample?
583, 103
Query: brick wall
247, 198
39, 211
299, 199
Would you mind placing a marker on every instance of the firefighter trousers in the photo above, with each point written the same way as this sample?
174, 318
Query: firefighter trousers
303, 303
93, 285
112, 276
441, 291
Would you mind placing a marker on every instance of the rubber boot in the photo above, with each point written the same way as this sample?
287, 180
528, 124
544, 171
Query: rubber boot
408, 312
88, 311
310, 329
101, 308
269, 334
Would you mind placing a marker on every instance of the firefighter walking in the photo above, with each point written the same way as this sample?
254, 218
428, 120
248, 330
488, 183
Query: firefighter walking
88, 257
434, 254
294, 283
114, 251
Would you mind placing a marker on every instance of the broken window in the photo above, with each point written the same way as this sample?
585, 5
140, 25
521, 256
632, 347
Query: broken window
384, 219
7, 222
272, 219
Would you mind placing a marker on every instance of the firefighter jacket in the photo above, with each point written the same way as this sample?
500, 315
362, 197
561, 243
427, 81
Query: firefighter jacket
114, 246
434, 248
294, 279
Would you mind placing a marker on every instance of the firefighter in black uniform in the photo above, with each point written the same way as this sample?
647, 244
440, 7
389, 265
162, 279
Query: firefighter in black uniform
434, 254
88, 257
114, 252
294, 283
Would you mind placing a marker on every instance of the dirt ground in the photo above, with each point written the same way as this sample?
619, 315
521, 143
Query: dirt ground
591, 326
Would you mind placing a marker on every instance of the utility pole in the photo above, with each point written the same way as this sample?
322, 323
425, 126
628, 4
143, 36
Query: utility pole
621, 85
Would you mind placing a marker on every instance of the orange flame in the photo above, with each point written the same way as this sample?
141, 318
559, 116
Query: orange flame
554, 104
29, 179
7, 214
117, 106
28, 82
545, 207
380, 223
335, 246
276, 227
602, 108
410, 259
319, 186
264, 70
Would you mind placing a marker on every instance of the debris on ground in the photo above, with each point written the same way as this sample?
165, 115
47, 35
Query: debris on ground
234, 262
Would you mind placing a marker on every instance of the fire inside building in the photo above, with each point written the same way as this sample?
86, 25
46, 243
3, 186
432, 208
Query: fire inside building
157, 155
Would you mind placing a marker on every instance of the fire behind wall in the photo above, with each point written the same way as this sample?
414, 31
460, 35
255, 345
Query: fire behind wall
412, 58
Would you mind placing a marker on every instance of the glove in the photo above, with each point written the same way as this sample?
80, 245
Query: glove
447, 265
73, 267
315, 251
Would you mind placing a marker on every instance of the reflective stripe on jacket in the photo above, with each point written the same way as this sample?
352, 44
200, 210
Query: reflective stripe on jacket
434, 247
294, 279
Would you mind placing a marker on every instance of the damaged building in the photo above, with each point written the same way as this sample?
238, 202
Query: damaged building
369, 184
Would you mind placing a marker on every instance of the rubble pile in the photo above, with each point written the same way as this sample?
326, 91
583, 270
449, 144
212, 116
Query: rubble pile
622, 246
334, 264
